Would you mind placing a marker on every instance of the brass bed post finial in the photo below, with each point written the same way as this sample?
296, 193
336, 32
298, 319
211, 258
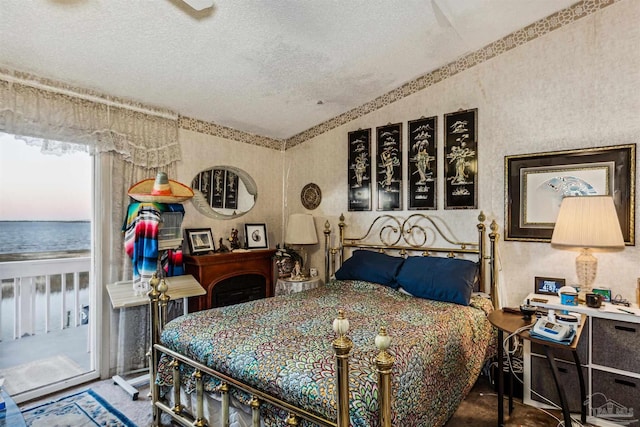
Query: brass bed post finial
493, 238
342, 346
384, 363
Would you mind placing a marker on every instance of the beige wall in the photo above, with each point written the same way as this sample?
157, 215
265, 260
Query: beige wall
576, 87
201, 151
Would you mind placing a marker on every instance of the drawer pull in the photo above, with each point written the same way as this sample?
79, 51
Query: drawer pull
624, 328
563, 370
624, 382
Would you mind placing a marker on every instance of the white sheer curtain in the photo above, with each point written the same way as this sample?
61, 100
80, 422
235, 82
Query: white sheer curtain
130, 145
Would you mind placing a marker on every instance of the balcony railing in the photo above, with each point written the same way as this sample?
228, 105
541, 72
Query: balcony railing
43, 295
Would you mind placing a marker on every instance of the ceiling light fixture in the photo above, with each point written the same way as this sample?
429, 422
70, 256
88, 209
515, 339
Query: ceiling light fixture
199, 4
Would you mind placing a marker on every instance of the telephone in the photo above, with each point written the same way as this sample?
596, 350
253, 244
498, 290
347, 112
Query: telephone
551, 330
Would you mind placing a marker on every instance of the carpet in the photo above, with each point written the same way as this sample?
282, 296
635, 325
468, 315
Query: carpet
82, 409
32, 375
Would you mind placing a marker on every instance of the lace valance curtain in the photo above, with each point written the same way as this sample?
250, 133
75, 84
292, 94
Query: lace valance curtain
145, 140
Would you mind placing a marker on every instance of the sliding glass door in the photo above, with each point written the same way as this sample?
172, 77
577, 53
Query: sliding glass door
48, 298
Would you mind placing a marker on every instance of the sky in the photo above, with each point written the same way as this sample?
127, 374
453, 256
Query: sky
35, 186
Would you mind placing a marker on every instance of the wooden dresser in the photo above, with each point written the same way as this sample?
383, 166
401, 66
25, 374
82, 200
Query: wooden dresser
232, 277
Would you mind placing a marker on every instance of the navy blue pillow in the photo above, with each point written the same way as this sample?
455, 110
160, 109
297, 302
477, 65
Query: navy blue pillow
371, 266
438, 278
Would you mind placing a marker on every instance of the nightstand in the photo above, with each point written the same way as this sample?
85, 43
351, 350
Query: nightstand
286, 286
514, 324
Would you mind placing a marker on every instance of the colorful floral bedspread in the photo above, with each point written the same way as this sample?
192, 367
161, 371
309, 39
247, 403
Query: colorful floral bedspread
282, 345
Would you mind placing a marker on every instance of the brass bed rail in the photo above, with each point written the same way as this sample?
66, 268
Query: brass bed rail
342, 346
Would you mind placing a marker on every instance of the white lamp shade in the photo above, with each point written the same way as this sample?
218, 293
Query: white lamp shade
301, 230
588, 222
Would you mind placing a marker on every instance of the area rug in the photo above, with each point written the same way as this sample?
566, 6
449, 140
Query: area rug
32, 375
82, 409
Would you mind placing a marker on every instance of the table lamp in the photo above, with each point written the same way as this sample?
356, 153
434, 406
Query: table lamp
301, 230
586, 223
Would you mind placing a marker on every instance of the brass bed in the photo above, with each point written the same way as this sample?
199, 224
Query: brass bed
295, 381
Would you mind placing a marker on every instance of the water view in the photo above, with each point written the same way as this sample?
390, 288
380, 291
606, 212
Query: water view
18, 237
35, 240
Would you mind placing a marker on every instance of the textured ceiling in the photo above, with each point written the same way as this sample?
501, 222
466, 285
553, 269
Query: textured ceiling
272, 68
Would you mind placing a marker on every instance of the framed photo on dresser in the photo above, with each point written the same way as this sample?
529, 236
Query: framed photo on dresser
256, 235
200, 240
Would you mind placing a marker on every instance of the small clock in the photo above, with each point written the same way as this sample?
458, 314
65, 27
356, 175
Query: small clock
548, 285
311, 196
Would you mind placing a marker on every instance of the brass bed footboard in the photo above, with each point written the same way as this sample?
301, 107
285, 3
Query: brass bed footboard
342, 346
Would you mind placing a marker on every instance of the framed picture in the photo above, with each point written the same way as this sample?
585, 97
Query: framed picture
256, 235
231, 190
461, 160
536, 183
359, 170
423, 167
548, 285
200, 240
217, 193
389, 167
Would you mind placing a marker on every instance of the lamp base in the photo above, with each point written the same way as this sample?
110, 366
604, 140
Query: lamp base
586, 269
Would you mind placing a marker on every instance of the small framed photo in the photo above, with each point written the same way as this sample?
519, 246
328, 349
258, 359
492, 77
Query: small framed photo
256, 235
200, 240
548, 285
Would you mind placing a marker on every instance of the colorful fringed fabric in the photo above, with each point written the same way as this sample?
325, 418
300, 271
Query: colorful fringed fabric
141, 229
282, 345
171, 261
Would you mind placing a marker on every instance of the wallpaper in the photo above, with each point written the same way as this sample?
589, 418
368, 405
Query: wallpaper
572, 88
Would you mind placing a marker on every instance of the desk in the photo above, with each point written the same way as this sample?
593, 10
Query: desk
123, 296
286, 287
510, 323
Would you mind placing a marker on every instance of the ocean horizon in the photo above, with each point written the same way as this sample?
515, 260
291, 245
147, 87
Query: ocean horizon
24, 237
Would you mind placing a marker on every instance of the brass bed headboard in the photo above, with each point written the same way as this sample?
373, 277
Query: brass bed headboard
418, 233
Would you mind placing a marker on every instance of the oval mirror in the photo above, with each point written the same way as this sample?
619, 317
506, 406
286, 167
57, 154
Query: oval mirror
224, 192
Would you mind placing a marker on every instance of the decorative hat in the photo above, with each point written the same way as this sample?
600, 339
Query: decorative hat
160, 190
